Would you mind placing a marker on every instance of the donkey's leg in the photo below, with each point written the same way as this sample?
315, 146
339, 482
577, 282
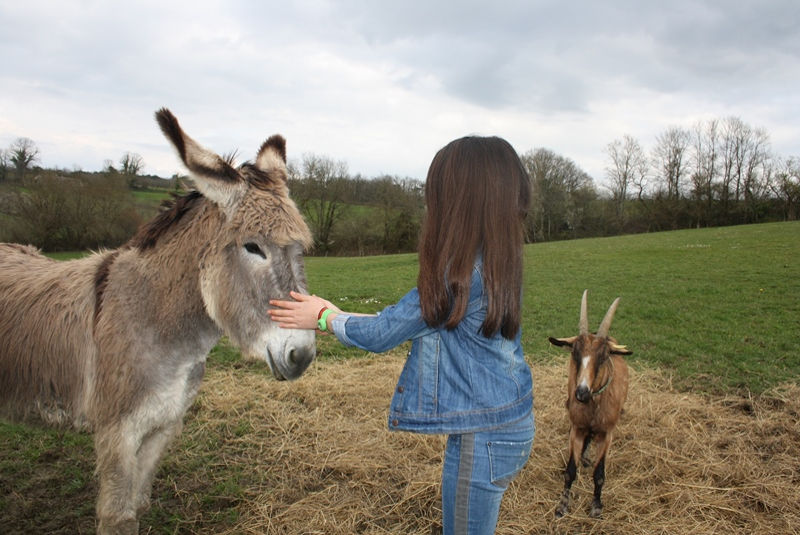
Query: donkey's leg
576, 441
148, 456
603, 443
116, 464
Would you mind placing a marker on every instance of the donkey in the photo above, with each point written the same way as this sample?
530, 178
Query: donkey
116, 343
597, 389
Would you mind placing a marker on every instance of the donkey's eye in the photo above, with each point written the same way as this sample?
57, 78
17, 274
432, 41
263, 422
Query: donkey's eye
252, 248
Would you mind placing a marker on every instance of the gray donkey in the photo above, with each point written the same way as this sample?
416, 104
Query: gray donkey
116, 343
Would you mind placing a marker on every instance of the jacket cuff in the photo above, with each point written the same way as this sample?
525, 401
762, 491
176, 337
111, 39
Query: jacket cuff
338, 327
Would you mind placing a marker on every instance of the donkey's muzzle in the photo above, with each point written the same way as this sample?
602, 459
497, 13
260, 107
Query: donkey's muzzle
298, 360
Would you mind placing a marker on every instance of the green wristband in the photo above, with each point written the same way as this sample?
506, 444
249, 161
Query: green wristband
322, 322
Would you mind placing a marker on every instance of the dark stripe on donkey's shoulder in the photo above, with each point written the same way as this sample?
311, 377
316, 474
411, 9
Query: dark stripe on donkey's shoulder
101, 282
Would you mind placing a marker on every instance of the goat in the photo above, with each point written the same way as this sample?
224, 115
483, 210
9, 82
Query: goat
597, 389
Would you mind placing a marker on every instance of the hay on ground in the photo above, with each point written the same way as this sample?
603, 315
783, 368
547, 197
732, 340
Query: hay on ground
314, 456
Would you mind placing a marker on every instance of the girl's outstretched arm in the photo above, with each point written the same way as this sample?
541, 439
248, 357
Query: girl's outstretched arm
302, 313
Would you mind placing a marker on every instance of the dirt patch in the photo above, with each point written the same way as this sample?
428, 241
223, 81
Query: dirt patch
680, 463
314, 457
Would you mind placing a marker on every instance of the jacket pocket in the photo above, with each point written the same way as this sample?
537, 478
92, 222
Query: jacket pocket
506, 459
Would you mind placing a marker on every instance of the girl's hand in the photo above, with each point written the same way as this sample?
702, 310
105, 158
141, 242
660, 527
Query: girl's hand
301, 313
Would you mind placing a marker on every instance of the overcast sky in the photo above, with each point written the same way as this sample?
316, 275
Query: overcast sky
384, 85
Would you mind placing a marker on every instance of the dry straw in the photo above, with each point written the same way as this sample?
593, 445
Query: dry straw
314, 457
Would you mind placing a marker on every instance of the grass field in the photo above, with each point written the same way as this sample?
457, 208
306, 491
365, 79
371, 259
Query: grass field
718, 307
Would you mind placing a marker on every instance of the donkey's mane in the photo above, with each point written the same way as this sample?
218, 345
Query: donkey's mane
172, 211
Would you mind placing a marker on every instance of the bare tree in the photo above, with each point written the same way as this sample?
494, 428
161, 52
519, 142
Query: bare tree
628, 170
670, 159
131, 164
785, 185
705, 156
23, 153
745, 161
757, 166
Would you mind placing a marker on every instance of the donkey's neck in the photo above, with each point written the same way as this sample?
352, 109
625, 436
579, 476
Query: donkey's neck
165, 278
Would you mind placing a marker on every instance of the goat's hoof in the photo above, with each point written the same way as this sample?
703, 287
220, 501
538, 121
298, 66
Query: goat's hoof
596, 511
561, 510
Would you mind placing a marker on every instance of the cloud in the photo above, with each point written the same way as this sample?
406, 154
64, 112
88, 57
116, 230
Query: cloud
383, 85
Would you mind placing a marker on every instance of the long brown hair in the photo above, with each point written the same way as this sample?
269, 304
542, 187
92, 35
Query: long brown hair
476, 195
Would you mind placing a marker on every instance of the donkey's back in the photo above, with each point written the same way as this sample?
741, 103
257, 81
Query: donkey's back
46, 347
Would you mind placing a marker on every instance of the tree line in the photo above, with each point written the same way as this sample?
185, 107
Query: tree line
717, 172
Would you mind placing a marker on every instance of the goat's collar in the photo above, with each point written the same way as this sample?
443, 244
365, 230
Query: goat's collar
608, 381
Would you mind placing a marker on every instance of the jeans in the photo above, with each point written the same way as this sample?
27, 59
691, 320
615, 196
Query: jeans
477, 470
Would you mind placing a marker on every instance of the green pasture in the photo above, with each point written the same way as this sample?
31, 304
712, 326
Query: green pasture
719, 308
148, 201
150, 196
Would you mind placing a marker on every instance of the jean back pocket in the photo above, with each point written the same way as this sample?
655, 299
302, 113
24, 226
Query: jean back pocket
506, 459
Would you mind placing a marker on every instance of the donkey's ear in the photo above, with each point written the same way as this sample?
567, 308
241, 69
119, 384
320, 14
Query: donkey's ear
215, 178
561, 342
271, 157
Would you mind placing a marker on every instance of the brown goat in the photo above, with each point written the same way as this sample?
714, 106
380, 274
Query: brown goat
597, 389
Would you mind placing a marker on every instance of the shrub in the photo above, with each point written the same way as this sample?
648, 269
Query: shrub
58, 213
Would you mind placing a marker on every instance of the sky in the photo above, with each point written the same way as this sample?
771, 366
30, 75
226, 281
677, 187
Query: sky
383, 85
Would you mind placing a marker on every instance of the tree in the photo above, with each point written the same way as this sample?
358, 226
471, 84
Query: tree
745, 162
670, 165
561, 193
319, 187
400, 202
23, 152
129, 165
4, 161
670, 160
705, 156
785, 185
628, 170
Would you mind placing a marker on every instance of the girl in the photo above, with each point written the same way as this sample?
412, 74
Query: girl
465, 375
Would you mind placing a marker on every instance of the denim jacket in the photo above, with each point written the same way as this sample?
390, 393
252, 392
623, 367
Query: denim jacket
453, 381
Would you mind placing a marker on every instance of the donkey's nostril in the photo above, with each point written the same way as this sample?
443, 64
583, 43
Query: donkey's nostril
296, 360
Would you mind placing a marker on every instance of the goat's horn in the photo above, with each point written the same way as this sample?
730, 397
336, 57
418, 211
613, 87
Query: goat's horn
602, 331
584, 323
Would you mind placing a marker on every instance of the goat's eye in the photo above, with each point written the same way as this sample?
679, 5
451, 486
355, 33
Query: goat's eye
252, 248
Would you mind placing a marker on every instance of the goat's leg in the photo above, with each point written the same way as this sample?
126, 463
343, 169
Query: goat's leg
116, 464
599, 476
148, 456
576, 440
586, 461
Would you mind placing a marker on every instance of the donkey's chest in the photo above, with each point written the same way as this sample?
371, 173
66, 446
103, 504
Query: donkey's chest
170, 397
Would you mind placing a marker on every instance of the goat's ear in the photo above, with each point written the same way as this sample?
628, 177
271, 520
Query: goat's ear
617, 349
561, 342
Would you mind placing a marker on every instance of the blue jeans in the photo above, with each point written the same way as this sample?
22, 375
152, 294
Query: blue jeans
477, 470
